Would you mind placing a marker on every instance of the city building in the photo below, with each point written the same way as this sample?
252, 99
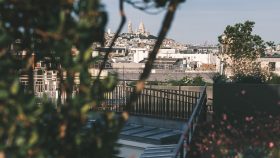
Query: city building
270, 64
46, 80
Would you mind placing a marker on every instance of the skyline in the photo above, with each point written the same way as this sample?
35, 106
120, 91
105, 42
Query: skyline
202, 21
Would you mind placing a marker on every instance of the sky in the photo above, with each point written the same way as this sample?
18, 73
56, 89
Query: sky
202, 21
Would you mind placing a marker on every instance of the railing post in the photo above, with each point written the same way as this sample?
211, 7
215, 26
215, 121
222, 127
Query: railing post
130, 109
204, 107
158, 102
189, 103
114, 98
168, 113
182, 151
142, 104
154, 103
184, 105
161, 103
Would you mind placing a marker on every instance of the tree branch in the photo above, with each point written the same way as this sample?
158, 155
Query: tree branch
169, 16
123, 20
144, 6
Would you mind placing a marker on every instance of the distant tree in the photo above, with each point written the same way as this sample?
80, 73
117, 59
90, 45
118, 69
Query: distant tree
272, 45
52, 28
187, 81
198, 81
241, 48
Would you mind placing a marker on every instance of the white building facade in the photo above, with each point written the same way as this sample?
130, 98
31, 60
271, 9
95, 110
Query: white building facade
46, 82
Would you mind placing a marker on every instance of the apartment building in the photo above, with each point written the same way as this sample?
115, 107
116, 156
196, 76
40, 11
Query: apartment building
46, 81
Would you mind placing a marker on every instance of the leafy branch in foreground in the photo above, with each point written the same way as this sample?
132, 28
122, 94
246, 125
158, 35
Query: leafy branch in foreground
54, 29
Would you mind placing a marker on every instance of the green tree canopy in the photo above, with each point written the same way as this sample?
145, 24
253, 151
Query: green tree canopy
240, 42
240, 49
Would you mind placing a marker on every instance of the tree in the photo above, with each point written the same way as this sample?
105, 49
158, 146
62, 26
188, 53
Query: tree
240, 49
271, 45
52, 28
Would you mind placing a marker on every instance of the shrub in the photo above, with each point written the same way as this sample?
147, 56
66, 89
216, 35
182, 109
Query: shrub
154, 82
274, 79
218, 78
198, 81
187, 81
241, 78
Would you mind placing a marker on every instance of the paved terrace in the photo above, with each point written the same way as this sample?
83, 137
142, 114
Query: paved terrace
159, 120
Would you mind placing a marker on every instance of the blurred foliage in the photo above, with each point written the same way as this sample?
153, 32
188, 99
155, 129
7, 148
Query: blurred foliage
36, 129
150, 6
32, 127
251, 137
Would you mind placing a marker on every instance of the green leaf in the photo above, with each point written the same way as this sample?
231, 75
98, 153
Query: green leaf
15, 87
85, 108
78, 139
3, 94
87, 54
20, 140
110, 82
34, 138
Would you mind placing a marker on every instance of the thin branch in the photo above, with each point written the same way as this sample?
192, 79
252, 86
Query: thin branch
169, 16
123, 20
145, 7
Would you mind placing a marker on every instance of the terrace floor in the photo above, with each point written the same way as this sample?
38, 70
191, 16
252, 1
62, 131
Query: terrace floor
149, 134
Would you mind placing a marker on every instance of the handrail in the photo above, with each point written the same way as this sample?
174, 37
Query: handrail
168, 104
169, 91
189, 128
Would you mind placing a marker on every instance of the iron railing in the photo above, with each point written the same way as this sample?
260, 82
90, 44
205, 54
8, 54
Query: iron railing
198, 113
170, 104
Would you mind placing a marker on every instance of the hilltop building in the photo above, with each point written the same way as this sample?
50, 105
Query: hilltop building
141, 28
130, 28
140, 31
270, 64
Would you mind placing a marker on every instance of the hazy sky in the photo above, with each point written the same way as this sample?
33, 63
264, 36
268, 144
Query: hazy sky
200, 21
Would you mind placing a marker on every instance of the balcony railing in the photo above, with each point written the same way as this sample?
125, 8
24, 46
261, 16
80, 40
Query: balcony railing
169, 104
199, 113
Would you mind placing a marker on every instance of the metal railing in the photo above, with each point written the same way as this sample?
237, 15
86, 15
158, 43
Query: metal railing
170, 104
189, 129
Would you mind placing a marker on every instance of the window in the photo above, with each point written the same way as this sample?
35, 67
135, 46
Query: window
271, 66
49, 75
39, 72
